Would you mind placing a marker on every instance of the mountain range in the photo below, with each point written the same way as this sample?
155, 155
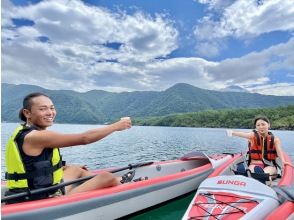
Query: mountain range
97, 106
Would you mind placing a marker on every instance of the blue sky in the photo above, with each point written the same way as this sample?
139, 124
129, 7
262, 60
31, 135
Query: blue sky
128, 45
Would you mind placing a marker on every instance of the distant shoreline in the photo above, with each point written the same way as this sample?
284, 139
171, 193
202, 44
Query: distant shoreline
281, 118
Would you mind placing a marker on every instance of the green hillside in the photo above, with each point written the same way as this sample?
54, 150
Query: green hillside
281, 118
98, 106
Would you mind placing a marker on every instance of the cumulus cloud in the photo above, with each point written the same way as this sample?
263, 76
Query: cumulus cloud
79, 39
250, 72
242, 19
216, 4
280, 89
71, 45
254, 68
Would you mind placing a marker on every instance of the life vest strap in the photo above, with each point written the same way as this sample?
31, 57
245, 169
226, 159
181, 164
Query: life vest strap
254, 151
39, 172
259, 151
272, 140
270, 151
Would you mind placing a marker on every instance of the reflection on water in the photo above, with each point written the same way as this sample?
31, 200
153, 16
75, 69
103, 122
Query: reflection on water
146, 143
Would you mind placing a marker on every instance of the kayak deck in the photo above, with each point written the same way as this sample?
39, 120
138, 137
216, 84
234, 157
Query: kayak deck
222, 205
166, 180
226, 195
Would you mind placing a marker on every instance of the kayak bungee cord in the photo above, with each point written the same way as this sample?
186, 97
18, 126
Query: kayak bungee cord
202, 216
199, 217
227, 203
219, 202
237, 197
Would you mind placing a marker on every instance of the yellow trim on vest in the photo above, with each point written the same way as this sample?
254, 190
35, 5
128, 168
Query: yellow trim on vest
14, 163
58, 174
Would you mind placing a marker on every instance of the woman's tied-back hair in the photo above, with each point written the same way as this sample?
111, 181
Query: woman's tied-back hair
261, 117
27, 103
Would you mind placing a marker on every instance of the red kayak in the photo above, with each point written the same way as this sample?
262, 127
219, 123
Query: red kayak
165, 180
227, 195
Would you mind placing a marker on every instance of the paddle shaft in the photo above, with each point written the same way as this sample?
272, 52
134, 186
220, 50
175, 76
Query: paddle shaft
58, 186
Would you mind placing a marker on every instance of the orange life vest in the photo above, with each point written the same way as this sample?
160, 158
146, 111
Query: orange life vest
262, 148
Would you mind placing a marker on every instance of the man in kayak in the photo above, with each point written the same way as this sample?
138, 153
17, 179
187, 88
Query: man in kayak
33, 159
263, 146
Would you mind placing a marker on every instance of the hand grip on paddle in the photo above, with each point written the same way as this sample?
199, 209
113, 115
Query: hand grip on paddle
229, 132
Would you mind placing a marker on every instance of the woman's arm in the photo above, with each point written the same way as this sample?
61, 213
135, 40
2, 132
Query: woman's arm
49, 139
242, 134
280, 152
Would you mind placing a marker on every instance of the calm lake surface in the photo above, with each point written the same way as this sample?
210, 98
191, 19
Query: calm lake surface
140, 144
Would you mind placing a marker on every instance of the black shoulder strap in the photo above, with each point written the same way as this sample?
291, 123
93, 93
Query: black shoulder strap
257, 137
272, 139
25, 129
19, 138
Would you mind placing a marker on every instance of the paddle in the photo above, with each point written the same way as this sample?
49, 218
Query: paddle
58, 186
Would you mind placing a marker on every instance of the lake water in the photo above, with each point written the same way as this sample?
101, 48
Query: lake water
140, 144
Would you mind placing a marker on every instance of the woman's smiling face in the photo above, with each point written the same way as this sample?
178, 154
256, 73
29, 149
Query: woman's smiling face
41, 113
262, 126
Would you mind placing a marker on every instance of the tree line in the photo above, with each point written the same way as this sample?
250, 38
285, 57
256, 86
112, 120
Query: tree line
281, 118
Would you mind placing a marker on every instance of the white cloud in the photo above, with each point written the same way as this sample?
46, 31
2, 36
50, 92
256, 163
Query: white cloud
249, 71
216, 4
77, 56
6, 14
243, 19
279, 89
166, 73
141, 37
79, 37
255, 67
248, 18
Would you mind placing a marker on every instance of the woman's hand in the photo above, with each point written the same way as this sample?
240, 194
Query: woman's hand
288, 163
84, 167
123, 123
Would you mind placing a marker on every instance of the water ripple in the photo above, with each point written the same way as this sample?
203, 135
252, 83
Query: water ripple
140, 144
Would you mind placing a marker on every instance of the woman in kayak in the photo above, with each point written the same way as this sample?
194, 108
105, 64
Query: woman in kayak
263, 146
32, 153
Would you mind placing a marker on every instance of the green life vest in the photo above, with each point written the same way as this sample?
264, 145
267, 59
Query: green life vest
16, 175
